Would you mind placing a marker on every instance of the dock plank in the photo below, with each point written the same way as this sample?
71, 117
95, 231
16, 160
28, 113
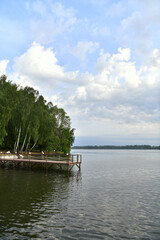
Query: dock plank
70, 162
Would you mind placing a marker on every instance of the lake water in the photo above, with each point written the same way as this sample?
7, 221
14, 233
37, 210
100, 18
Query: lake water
115, 196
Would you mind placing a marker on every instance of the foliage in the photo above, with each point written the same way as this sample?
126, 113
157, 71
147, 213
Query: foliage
136, 147
27, 121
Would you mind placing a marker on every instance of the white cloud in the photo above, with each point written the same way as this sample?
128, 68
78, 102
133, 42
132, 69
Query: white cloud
3, 66
138, 29
118, 68
38, 62
82, 48
135, 33
120, 94
81, 93
39, 67
106, 61
51, 19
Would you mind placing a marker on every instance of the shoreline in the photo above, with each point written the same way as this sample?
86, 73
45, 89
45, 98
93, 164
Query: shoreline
112, 147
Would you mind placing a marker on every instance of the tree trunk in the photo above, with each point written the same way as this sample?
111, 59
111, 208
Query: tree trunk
19, 134
34, 144
28, 144
24, 139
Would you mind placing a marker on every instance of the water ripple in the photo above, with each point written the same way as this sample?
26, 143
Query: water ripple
117, 201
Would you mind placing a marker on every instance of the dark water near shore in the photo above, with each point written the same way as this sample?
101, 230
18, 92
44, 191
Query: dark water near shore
115, 196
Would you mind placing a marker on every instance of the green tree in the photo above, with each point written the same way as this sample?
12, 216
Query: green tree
28, 121
63, 131
8, 101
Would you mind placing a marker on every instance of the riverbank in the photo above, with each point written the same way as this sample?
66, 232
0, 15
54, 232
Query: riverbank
132, 147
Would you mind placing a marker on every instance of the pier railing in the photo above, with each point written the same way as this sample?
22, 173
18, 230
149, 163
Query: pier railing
46, 159
54, 157
71, 158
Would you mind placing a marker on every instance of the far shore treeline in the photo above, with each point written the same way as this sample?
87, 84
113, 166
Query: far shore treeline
28, 122
138, 147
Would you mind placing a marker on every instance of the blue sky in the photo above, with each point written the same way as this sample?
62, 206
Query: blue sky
98, 59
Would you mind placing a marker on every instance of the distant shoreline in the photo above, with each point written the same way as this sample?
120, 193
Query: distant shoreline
131, 147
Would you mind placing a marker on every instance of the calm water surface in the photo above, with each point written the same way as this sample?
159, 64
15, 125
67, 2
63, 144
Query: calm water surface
115, 196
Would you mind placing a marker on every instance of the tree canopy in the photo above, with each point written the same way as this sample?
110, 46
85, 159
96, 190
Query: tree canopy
28, 122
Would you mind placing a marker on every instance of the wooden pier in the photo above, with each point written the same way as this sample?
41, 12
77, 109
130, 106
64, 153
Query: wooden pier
46, 160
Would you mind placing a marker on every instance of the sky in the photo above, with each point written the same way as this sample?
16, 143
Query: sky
97, 59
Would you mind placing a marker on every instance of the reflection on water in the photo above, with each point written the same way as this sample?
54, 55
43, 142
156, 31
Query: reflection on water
115, 196
31, 203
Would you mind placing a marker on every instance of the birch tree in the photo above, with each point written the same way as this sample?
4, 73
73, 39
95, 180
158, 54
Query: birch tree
28, 122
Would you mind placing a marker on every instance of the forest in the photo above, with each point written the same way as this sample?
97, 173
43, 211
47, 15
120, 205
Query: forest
28, 122
134, 147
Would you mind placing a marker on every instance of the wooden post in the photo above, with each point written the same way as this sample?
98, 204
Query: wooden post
29, 161
46, 164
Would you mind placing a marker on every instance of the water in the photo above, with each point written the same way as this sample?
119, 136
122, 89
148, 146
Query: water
116, 196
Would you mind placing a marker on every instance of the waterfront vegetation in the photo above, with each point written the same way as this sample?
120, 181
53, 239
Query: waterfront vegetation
134, 147
28, 122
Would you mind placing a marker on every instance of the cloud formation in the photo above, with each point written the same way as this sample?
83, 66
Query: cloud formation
99, 60
39, 67
119, 92
137, 30
3, 66
83, 48
51, 19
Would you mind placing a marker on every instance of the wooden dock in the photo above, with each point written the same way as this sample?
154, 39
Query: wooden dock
46, 160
